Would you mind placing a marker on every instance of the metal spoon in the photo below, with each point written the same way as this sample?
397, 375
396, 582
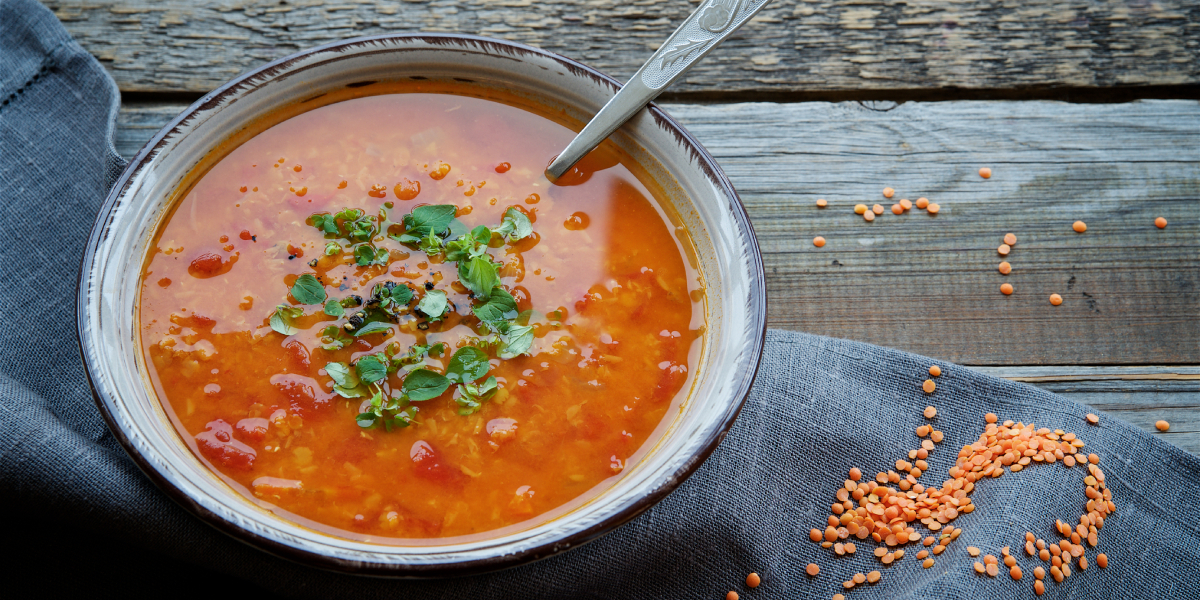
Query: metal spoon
712, 22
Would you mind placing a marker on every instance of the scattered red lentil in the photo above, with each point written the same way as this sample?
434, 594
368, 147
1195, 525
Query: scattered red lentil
1015, 573
888, 192
1093, 419
1010, 239
928, 563
752, 580
877, 209
812, 570
933, 208
1055, 299
732, 595
928, 386
1079, 226
1102, 560
972, 550
922, 202
838, 597
1004, 249
897, 209
1039, 588
873, 576
821, 203
860, 209
1006, 289
1005, 268
1162, 425
990, 418
859, 578
869, 216
935, 370
907, 204
985, 173
819, 242
1160, 223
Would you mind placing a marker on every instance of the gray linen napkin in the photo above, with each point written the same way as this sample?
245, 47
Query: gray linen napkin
90, 522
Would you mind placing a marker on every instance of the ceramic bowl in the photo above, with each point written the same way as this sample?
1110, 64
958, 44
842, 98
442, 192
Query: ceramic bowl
728, 257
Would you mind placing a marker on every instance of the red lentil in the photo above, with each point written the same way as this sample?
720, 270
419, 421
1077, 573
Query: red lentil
907, 205
1006, 289
812, 570
985, 173
752, 580
1003, 249
1005, 268
732, 595
869, 216
897, 209
922, 202
888, 192
1055, 299
933, 208
935, 370
1010, 239
1160, 223
821, 203
1102, 560
1162, 425
928, 386
860, 209
819, 241
877, 209
1079, 226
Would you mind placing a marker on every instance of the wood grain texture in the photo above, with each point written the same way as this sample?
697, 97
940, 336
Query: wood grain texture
804, 45
929, 284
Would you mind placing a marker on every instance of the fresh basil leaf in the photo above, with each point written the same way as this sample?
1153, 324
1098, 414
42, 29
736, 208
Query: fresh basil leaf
470, 397
520, 339
334, 308
325, 223
282, 320
366, 420
467, 365
369, 369
364, 255
307, 290
433, 304
423, 384
481, 234
423, 220
479, 275
431, 244
404, 418
333, 248
402, 294
406, 238
515, 225
342, 374
498, 307
373, 327
349, 214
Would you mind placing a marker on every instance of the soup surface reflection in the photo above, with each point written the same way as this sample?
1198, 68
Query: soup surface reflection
378, 319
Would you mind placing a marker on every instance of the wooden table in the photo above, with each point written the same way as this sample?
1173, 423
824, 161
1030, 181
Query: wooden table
1083, 111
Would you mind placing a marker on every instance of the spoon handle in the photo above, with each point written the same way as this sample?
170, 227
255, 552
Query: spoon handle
712, 22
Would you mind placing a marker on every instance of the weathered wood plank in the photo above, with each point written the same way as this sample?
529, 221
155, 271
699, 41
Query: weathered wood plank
1140, 395
807, 46
929, 284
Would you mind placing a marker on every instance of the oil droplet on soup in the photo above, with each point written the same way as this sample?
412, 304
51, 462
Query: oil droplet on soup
318, 310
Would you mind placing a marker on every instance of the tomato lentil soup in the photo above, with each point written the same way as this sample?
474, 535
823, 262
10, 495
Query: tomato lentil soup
333, 362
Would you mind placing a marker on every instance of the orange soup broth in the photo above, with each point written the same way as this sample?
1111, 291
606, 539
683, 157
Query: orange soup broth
618, 321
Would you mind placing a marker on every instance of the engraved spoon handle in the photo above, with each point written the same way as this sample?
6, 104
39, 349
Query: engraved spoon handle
712, 22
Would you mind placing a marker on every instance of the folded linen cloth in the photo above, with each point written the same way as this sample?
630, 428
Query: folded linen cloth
90, 522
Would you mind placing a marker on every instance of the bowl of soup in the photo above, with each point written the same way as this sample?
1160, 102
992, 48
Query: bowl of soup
337, 311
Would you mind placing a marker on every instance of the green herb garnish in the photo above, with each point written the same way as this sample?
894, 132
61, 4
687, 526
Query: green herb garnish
423, 384
307, 290
283, 319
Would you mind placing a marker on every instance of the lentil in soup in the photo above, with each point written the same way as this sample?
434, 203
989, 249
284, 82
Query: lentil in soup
378, 319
